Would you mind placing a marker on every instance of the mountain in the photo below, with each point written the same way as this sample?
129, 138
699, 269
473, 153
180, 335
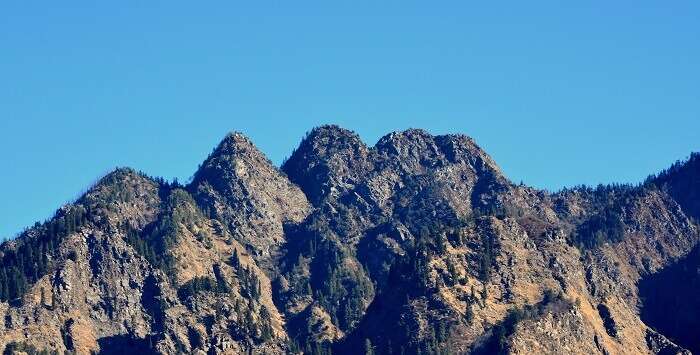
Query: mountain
416, 245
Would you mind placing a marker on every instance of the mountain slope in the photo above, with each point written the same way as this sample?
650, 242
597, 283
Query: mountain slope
416, 245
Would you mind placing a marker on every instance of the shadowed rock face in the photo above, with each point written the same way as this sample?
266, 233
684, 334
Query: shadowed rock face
328, 162
416, 245
670, 302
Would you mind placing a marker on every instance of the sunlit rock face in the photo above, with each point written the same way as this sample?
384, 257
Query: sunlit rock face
416, 245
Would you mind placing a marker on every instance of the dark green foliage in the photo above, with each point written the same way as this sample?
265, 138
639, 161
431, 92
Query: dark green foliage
471, 300
154, 242
235, 259
335, 280
421, 210
402, 338
312, 177
326, 263
299, 283
406, 301
36, 251
248, 281
117, 187
455, 235
606, 226
486, 257
497, 210
451, 277
500, 334
323, 348
199, 284
605, 222
434, 342
266, 331
341, 290
24, 348
682, 182
156, 239
602, 195
126, 344
469, 312
66, 336
412, 272
205, 284
369, 349
249, 327
154, 303
498, 343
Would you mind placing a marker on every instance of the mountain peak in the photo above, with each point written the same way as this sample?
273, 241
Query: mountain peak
331, 130
681, 181
235, 143
239, 184
412, 141
416, 133
331, 159
328, 140
417, 149
460, 147
328, 158
228, 157
236, 137
419, 231
118, 173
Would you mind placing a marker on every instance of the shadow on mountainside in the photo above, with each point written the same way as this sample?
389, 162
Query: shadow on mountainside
676, 313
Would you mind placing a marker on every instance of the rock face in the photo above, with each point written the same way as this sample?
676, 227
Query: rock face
416, 245
239, 186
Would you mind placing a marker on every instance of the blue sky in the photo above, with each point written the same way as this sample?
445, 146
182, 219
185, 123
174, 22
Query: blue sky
558, 93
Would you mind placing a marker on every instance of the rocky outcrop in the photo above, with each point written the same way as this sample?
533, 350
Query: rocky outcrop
418, 244
93, 290
240, 187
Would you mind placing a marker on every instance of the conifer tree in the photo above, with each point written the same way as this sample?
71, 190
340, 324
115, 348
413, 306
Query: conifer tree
369, 349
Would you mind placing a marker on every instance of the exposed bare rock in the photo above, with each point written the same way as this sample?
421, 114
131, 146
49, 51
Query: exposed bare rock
416, 245
239, 186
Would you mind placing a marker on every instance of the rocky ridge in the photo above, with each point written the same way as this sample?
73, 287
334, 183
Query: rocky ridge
416, 245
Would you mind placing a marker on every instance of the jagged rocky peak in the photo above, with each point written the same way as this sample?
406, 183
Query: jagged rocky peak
126, 180
237, 169
239, 185
682, 181
329, 159
419, 231
123, 196
461, 148
332, 160
230, 156
416, 151
121, 176
411, 142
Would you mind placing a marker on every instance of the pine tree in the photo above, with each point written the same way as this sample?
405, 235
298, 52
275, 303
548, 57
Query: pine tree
369, 349
235, 259
469, 312
43, 296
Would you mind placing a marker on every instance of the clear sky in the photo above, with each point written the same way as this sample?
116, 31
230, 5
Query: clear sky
559, 93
